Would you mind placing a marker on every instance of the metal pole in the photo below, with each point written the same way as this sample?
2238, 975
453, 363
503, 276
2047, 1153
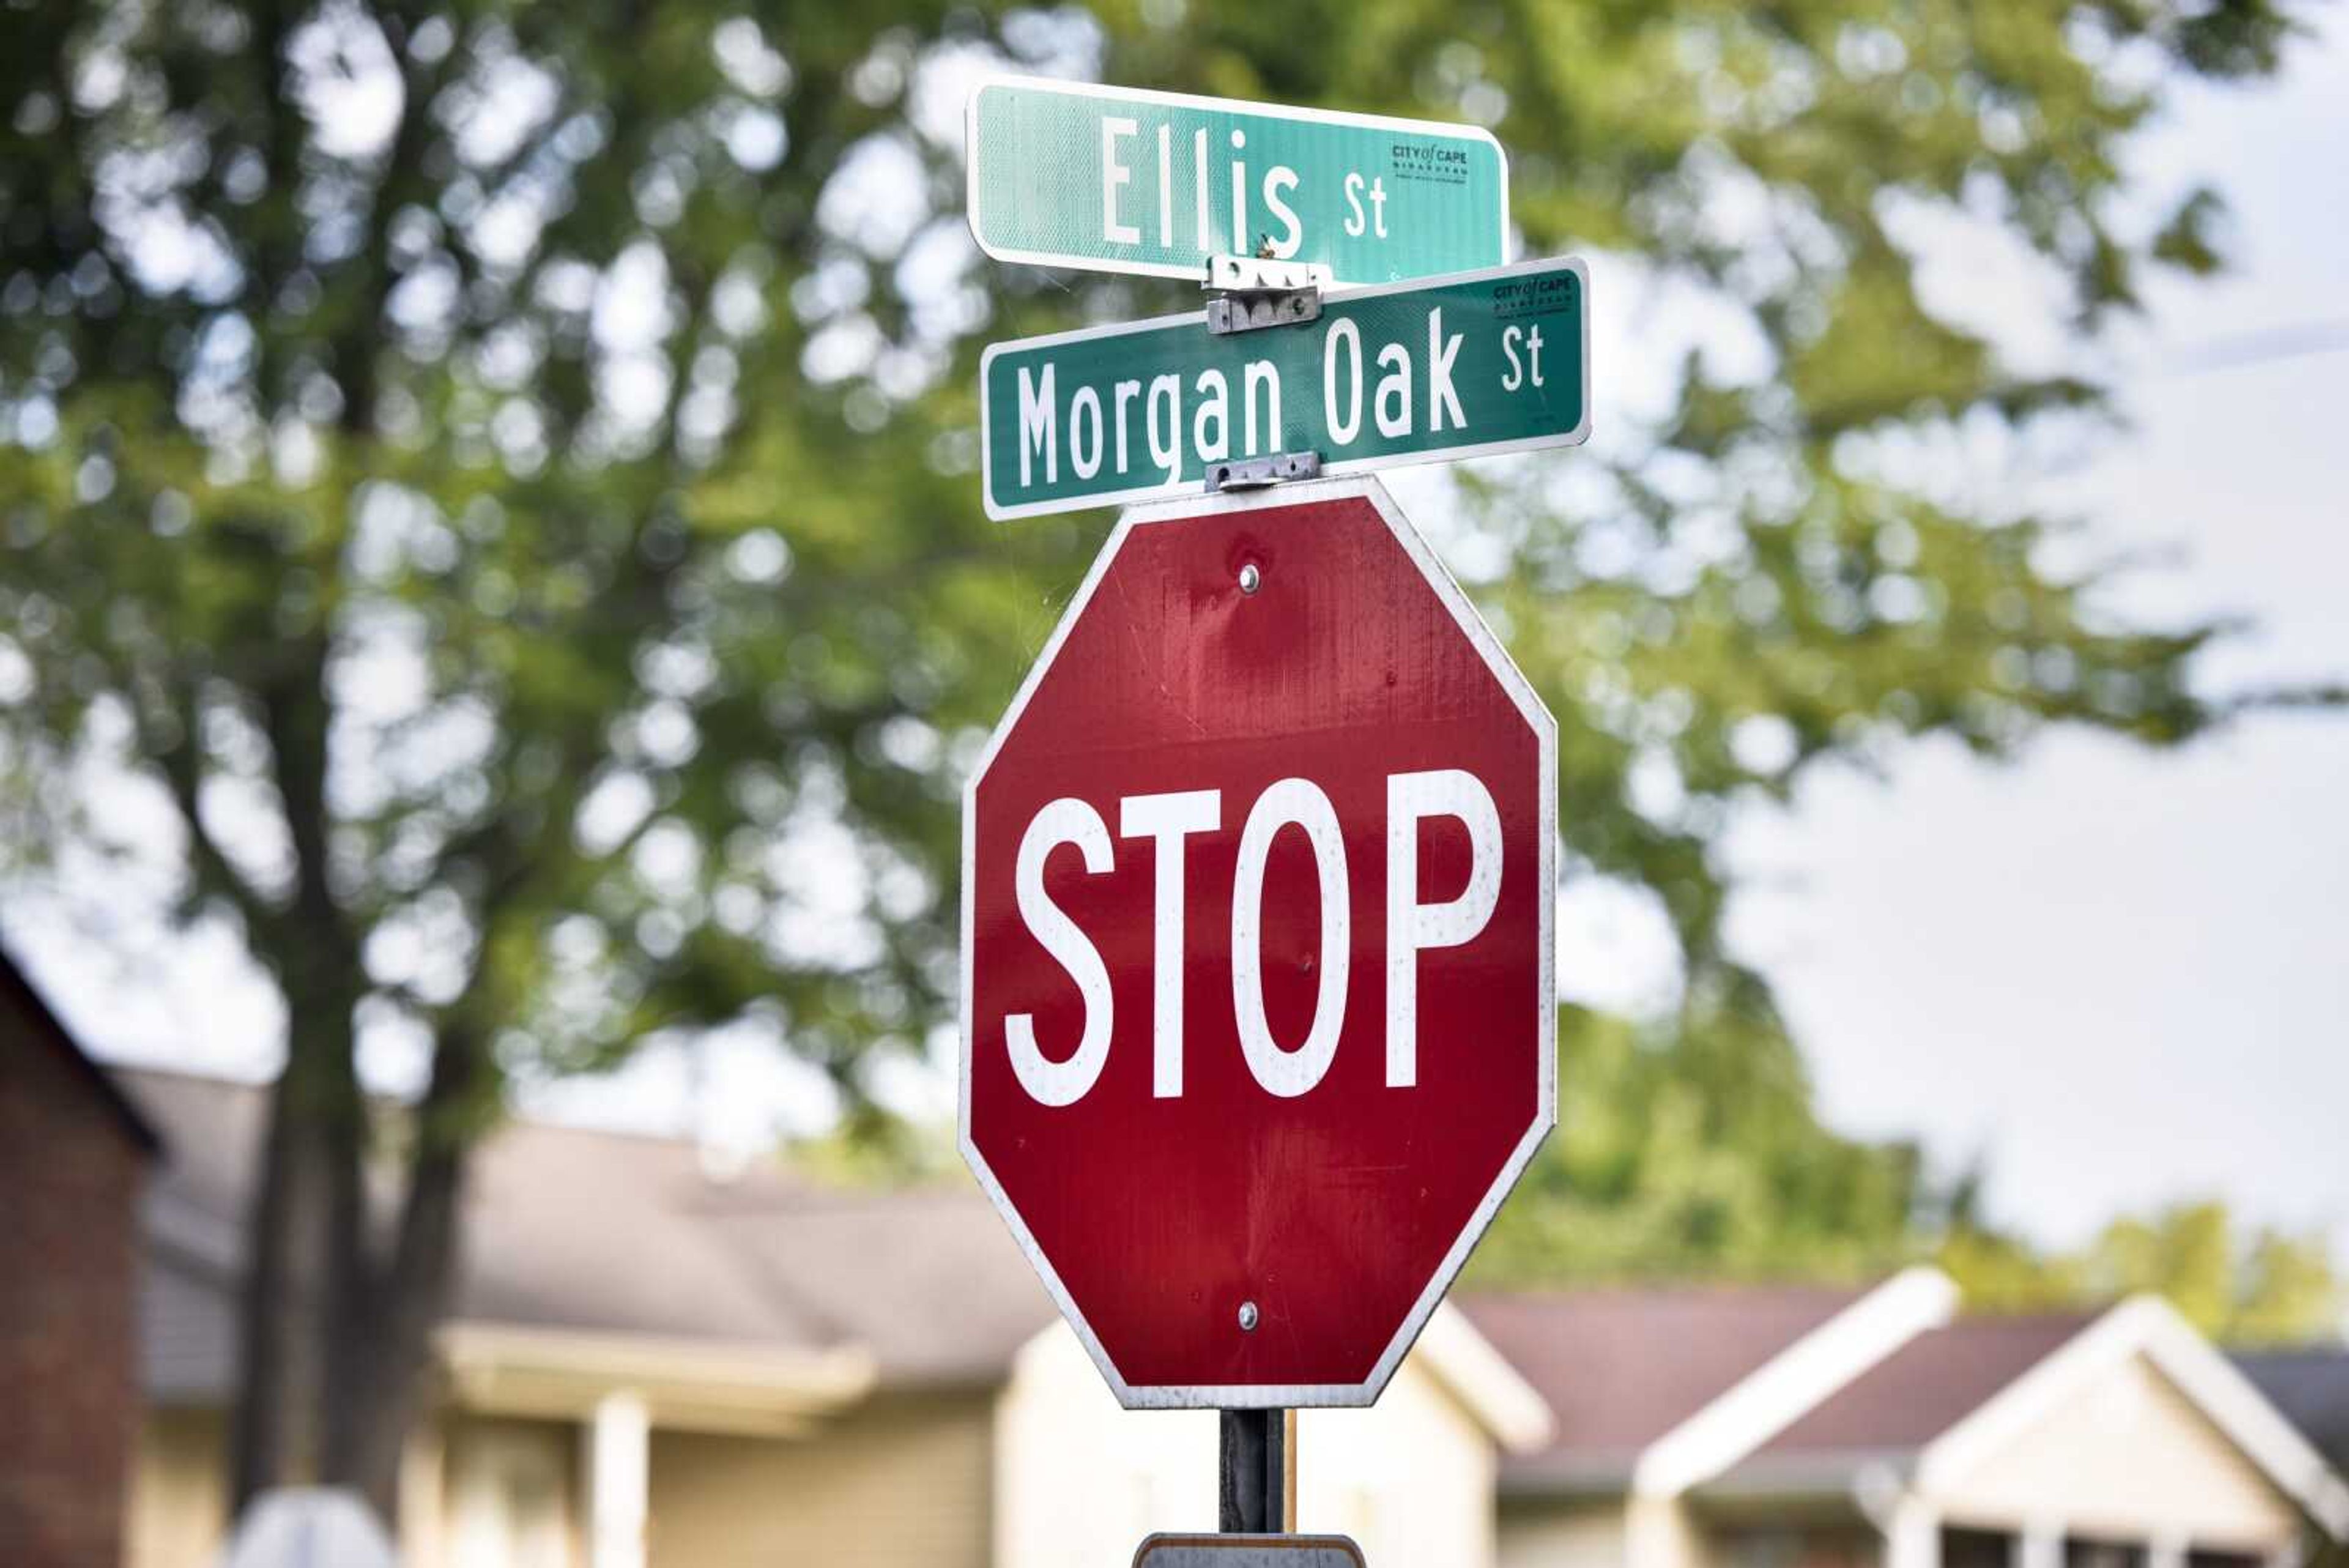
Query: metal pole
1256, 1483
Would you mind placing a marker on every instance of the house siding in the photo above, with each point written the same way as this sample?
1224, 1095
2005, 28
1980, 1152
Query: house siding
1082, 1482
2127, 1457
179, 1493
900, 1483
1078, 1475
1561, 1534
1411, 1478
1664, 1533
67, 1326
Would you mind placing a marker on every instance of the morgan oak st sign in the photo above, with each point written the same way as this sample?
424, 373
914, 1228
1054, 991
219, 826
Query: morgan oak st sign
1468, 366
1258, 990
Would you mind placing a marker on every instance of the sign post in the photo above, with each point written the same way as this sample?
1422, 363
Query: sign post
1115, 180
1256, 1479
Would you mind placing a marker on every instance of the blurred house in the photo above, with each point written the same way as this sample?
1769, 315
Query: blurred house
657, 1361
1809, 1428
73, 1156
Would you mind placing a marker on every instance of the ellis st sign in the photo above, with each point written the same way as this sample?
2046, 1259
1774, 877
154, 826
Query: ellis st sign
1116, 180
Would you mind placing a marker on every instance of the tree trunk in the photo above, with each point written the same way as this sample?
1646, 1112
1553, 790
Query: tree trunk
338, 1344
337, 1329
299, 1263
390, 1373
391, 1362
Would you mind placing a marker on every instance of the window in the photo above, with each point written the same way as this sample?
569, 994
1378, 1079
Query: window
1977, 1549
509, 1497
2086, 1552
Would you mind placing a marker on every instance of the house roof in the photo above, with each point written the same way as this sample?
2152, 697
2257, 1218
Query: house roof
2309, 1384
589, 1254
1947, 1398
1925, 1387
585, 1247
1622, 1368
17, 997
595, 1233
1799, 1392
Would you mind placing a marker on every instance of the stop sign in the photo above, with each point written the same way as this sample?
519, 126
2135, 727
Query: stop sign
1258, 991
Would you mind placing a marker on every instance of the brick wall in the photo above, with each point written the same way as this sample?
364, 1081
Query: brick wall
69, 1182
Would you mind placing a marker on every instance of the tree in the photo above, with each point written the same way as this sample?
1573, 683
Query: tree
2246, 1287
426, 477
1697, 1151
1700, 1153
502, 475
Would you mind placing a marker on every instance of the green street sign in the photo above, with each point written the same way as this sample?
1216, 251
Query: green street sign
1468, 366
1114, 179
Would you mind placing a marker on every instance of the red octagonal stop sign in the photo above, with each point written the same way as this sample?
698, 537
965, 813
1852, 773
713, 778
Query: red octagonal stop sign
1256, 960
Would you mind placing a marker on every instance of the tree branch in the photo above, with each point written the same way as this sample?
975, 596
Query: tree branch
353, 349
211, 869
295, 716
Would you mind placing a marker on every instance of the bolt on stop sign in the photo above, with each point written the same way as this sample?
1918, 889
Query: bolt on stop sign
1258, 988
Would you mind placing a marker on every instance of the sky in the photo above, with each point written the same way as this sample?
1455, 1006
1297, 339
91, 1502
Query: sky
2121, 979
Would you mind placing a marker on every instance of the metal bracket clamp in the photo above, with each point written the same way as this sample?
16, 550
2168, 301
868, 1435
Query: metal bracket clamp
1257, 472
1256, 292
1247, 312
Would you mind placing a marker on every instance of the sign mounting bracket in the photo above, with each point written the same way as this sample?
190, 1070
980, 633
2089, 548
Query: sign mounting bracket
1262, 473
1250, 293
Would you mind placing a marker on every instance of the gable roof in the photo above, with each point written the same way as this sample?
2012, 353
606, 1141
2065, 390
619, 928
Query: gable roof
2309, 1384
1621, 1367
595, 1233
1805, 1392
1925, 1387
18, 998
1936, 1406
589, 1252
2150, 1327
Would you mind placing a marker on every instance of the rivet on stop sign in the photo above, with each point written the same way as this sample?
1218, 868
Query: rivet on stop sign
1251, 579
1247, 1317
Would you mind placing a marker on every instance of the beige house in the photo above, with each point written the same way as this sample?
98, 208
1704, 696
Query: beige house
1806, 1429
659, 1362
